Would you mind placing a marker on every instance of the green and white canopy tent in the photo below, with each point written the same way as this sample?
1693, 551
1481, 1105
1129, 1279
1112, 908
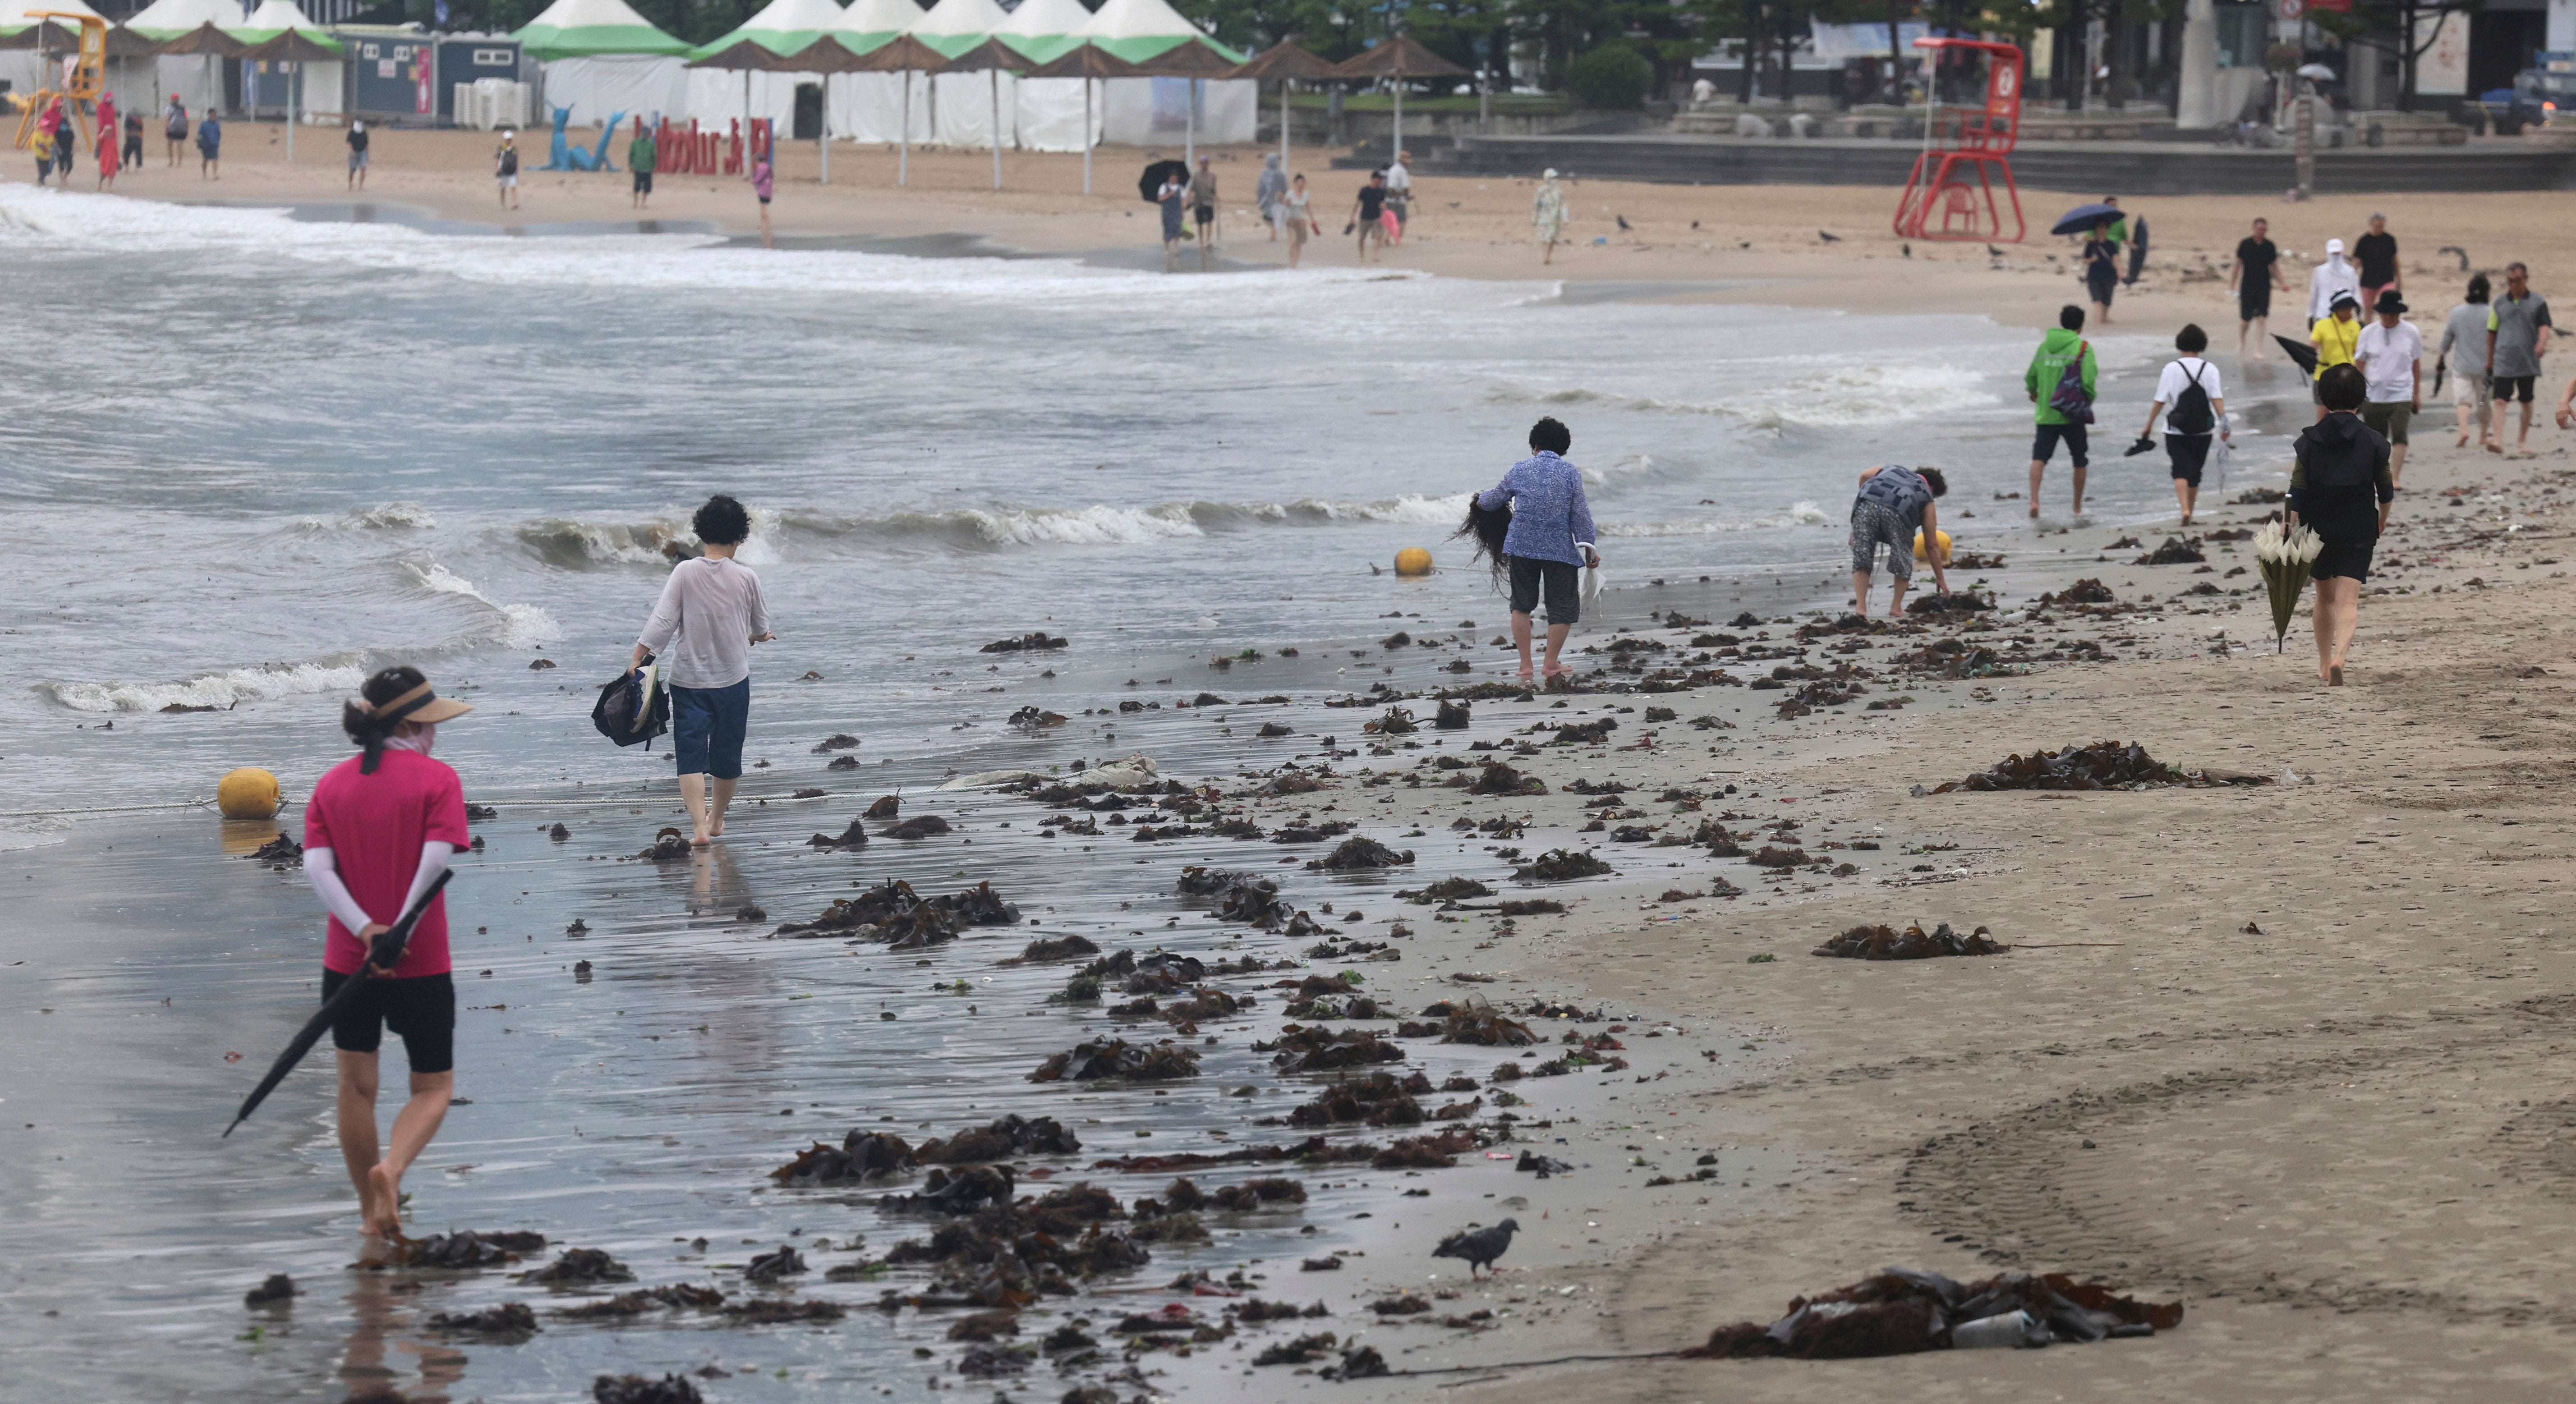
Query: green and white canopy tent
600, 58
1047, 114
962, 104
196, 80
1142, 111
27, 70
312, 89
782, 27
870, 106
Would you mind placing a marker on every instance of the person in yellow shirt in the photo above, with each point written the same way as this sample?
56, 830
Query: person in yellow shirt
2337, 335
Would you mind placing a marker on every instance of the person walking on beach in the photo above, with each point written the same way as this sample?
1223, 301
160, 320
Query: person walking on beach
109, 157
132, 153
2376, 253
2101, 260
1547, 215
2256, 271
2390, 352
2517, 337
210, 147
2341, 489
174, 129
2193, 401
1203, 212
2330, 278
709, 615
763, 181
41, 146
1367, 214
2046, 380
1551, 538
639, 161
380, 827
1266, 193
2464, 350
2337, 335
1399, 195
1894, 503
357, 137
1168, 195
505, 168
1297, 213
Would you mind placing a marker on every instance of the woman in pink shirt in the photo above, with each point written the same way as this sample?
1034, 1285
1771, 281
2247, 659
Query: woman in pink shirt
763, 178
379, 829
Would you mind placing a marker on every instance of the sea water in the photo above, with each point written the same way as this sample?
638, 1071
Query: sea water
250, 458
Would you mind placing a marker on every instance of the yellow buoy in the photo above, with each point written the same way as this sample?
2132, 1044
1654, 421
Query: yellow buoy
247, 793
1413, 560
1945, 545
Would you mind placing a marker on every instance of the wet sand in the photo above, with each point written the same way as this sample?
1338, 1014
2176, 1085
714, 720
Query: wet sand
1759, 244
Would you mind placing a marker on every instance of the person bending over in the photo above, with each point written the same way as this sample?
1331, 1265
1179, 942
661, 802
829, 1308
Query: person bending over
1551, 538
710, 614
1894, 503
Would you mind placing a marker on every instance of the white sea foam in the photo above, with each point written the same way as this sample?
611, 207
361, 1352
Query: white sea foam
211, 689
1849, 392
1800, 514
395, 514
517, 625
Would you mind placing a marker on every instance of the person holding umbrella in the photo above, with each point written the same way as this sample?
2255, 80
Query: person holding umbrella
2341, 488
378, 832
2101, 256
1176, 184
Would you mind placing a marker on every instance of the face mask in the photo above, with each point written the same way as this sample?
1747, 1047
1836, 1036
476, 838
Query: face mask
419, 741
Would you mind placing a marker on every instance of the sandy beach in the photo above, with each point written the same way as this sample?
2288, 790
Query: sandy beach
2281, 1052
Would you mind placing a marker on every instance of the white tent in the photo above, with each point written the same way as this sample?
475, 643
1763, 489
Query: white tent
601, 58
316, 86
718, 96
1144, 111
195, 79
1048, 115
961, 104
28, 71
869, 106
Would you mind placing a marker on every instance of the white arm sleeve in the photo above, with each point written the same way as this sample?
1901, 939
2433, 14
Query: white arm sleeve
322, 869
433, 861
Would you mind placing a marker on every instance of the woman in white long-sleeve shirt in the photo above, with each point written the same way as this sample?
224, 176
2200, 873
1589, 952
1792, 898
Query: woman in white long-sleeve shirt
710, 614
379, 829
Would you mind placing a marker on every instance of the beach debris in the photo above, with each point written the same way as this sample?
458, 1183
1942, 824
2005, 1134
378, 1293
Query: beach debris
885, 807
507, 1319
1253, 1194
1398, 721
1956, 602
1545, 1167
1901, 1311
958, 1192
1048, 948
842, 763
280, 853
1256, 901
1009, 1136
2104, 765
920, 826
1529, 906
986, 1362
1448, 889
1475, 1020
1913, 943
2175, 551
577, 929
841, 741
669, 846
640, 1389
1360, 854
772, 1311
1358, 1363
905, 919
1774, 856
464, 1248
1301, 1351
2087, 591
1453, 716
1478, 1247
1035, 719
769, 1267
277, 1290
1405, 1303
1036, 642
1096, 1059
1253, 1311
1325, 1264
559, 833
630, 1304
1501, 779
855, 836
580, 1265
1303, 1048
1562, 865
1380, 1099
861, 1156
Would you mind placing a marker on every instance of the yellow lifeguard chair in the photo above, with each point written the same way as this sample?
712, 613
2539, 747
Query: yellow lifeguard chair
86, 79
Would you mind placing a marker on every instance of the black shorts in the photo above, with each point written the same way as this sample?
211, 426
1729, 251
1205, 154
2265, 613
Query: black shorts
2254, 304
2190, 453
2043, 445
2513, 387
643, 182
421, 1008
1204, 214
1563, 597
2348, 558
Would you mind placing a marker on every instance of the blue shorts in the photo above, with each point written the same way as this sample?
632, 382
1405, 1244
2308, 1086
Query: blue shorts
706, 728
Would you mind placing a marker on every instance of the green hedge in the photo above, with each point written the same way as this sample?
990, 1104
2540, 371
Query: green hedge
1613, 76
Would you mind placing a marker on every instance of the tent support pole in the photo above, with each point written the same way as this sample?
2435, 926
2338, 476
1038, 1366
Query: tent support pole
1190, 124
903, 153
294, 75
1086, 136
1284, 85
1397, 149
823, 137
997, 128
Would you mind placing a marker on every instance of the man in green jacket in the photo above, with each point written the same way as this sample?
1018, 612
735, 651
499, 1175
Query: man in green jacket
2059, 349
639, 159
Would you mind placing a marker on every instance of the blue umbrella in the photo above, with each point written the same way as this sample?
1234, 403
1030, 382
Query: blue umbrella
2082, 218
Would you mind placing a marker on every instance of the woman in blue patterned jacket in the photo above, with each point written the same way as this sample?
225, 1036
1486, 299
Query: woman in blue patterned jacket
1551, 538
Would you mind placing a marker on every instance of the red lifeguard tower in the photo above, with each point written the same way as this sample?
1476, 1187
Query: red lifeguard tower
1939, 201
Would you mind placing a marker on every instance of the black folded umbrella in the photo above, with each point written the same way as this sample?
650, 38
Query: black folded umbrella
2302, 354
386, 950
2143, 445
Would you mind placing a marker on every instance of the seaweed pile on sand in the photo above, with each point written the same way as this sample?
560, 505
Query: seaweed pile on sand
2104, 765
1900, 1312
1913, 943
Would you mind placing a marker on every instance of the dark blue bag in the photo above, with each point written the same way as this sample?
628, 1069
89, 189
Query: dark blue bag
633, 709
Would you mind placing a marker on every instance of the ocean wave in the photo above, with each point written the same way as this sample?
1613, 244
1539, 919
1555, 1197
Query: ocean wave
395, 514
1829, 397
1800, 514
516, 625
223, 689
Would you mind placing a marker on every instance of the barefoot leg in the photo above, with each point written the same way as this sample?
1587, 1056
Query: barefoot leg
414, 1125
1521, 636
719, 797
1555, 645
693, 797
357, 1114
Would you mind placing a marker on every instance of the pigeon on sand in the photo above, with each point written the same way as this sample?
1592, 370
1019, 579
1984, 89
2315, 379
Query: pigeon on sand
1480, 1247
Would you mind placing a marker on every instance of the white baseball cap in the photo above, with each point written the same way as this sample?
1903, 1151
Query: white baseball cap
2334, 246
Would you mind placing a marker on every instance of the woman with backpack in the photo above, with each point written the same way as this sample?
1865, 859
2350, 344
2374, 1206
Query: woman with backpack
2198, 403
2341, 488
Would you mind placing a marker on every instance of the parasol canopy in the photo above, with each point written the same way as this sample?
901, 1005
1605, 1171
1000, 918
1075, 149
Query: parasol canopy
1397, 58
204, 39
1286, 59
2286, 559
2082, 218
1086, 61
751, 54
832, 54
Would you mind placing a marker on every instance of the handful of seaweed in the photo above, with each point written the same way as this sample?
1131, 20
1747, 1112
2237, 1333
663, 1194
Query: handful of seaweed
2104, 765
1116, 1057
862, 1156
1901, 1311
1561, 865
1913, 943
